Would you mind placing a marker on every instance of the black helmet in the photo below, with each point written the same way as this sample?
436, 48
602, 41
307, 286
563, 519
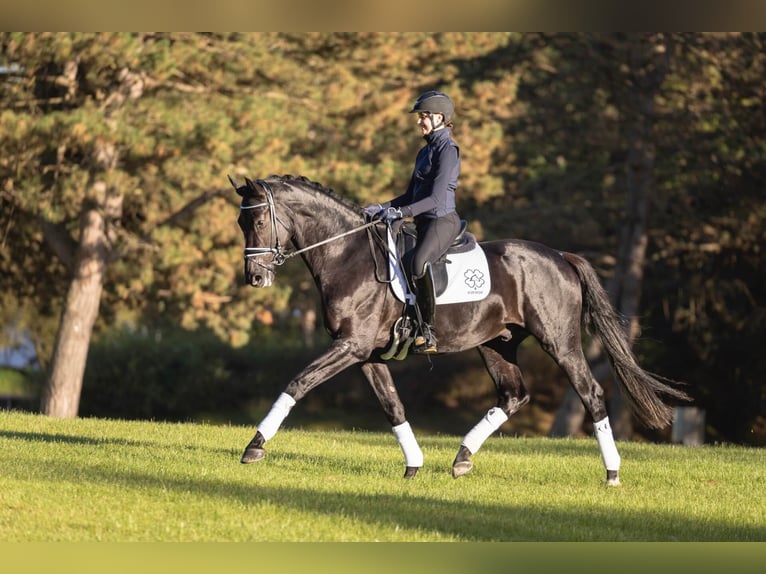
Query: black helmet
435, 103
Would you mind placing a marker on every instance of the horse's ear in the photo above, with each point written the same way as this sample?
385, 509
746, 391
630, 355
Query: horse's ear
250, 184
234, 184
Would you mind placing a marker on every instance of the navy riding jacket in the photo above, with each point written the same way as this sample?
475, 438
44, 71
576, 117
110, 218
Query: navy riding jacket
431, 191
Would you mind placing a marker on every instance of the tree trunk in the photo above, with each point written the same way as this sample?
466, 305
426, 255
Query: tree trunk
647, 72
630, 262
61, 395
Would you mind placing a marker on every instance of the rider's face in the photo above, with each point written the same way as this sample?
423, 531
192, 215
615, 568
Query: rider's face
428, 122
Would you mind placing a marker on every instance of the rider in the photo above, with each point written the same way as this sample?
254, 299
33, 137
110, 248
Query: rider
430, 199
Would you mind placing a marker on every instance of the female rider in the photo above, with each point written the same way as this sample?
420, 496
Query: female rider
430, 200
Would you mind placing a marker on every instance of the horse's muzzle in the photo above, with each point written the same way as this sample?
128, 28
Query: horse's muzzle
258, 275
262, 278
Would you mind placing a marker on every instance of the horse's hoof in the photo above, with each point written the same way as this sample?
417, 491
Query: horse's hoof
462, 463
612, 478
410, 471
460, 468
252, 454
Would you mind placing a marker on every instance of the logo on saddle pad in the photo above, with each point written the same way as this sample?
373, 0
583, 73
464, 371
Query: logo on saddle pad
467, 277
474, 278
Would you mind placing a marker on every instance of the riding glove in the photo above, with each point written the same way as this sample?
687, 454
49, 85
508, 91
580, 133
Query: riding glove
372, 210
391, 214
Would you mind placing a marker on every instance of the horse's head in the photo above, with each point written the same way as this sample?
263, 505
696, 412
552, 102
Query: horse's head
258, 221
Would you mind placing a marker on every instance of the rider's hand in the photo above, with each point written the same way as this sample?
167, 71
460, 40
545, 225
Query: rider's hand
391, 214
372, 210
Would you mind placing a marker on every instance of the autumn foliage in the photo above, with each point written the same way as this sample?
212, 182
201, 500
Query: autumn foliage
135, 134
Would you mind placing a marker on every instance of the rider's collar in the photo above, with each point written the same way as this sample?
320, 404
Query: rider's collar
436, 135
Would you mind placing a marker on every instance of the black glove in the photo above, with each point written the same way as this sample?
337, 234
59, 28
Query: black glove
391, 214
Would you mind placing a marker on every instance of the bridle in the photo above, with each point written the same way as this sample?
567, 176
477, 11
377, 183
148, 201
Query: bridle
280, 256
278, 253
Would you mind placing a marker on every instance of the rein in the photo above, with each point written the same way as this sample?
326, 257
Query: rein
279, 254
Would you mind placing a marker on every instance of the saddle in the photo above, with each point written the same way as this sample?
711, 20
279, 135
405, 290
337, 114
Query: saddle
406, 236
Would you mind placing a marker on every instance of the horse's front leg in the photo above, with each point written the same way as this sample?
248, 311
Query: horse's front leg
379, 377
341, 354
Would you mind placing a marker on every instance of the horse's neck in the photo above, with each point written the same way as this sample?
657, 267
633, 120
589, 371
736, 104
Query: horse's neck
313, 224
317, 219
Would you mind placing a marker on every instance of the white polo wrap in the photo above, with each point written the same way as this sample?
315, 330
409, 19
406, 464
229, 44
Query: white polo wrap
605, 439
413, 456
278, 413
492, 421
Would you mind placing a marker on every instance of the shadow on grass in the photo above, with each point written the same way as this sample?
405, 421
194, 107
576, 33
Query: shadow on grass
508, 519
53, 439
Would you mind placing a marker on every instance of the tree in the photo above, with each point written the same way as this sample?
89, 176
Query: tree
637, 66
706, 273
104, 142
131, 136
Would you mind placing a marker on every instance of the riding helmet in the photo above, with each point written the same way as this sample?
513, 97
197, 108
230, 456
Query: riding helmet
435, 103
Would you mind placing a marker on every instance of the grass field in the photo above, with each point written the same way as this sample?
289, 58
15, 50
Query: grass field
104, 480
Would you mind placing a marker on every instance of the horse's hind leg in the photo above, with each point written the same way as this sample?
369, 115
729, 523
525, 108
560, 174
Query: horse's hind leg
576, 367
500, 360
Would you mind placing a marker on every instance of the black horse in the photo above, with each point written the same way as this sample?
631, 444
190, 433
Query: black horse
535, 291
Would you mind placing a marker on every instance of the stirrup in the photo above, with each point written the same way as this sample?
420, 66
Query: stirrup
421, 346
425, 343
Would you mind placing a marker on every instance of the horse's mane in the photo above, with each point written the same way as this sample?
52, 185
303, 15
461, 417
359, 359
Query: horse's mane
304, 182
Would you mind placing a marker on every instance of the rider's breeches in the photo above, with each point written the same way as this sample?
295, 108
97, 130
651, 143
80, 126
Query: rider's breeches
435, 235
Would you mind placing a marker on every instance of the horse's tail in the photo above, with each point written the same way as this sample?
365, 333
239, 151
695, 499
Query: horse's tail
644, 390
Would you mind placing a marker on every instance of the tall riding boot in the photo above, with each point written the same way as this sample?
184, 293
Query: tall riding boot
426, 301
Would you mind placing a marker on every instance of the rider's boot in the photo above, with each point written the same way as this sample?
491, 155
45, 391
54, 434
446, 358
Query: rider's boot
425, 342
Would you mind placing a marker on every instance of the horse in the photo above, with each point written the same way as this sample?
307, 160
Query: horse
535, 291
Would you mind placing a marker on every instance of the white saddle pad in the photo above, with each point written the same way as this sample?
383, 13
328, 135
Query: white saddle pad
467, 276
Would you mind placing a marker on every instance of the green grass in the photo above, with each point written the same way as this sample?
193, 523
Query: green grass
106, 480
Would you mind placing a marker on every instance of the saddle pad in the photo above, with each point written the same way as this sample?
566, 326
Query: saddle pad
467, 276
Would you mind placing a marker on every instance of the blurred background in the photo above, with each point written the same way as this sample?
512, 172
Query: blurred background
121, 289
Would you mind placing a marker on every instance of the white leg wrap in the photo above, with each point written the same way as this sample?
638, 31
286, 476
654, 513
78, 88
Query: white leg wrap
278, 413
413, 456
609, 453
492, 421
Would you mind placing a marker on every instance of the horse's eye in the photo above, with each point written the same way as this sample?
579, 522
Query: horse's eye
260, 223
